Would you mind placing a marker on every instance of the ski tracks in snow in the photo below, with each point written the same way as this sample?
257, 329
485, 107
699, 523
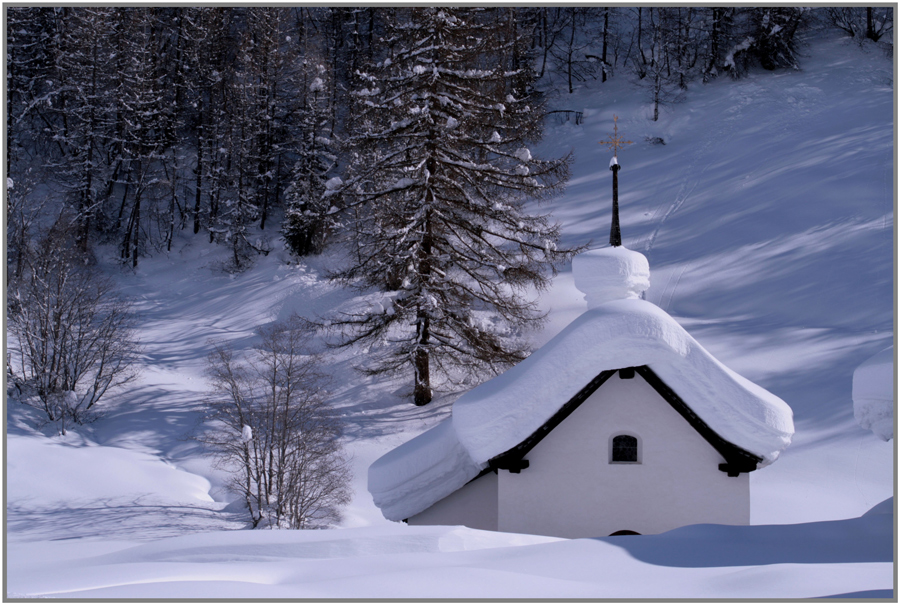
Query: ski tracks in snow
802, 102
700, 162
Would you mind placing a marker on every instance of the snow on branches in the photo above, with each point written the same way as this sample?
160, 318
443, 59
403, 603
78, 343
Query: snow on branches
437, 183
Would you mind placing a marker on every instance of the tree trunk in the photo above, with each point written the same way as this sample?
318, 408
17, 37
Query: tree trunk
422, 393
639, 33
571, 49
173, 203
136, 214
605, 43
545, 42
197, 188
657, 86
713, 42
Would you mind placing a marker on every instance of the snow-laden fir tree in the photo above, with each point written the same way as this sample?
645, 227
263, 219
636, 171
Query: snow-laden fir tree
306, 221
206, 40
82, 102
439, 173
254, 128
143, 97
29, 79
268, 76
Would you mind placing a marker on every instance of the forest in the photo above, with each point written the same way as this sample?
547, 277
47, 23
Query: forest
140, 122
399, 135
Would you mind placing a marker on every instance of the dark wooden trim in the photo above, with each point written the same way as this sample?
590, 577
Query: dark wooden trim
509, 458
626, 373
517, 466
738, 460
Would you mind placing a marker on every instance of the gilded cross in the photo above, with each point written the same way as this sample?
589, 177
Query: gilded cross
615, 142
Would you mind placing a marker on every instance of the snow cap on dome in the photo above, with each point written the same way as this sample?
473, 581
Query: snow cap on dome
612, 273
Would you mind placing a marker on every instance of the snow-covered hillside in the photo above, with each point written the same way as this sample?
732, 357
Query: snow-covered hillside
768, 221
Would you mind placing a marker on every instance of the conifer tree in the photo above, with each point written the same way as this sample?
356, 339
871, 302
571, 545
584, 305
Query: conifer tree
29, 78
306, 221
209, 65
83, 101
439, 173
267, 76
142, 97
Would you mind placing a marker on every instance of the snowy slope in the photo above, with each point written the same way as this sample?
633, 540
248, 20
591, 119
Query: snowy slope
873, 394
767, 218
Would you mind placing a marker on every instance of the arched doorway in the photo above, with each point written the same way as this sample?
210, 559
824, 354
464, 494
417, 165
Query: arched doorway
625, 532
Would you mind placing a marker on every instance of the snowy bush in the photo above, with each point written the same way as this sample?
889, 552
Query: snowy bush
74, 338
270, 427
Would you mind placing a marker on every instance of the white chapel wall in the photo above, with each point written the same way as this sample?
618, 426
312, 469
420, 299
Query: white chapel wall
571, 490
473, 505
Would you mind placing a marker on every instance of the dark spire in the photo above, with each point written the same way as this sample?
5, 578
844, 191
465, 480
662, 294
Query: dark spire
615, 234
614, 143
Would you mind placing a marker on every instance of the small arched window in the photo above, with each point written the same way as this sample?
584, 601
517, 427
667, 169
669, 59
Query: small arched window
624, 449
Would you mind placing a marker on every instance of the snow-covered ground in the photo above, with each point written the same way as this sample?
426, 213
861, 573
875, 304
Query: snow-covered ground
767, 218
836, 558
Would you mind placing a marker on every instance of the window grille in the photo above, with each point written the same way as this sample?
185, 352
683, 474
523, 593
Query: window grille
624, 448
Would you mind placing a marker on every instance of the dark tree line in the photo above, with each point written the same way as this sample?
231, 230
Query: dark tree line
401, 134
150, 120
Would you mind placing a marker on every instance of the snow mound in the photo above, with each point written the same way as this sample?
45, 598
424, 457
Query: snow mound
873, 394
412, 477
610, 273
885, 507
501, 413
71, 476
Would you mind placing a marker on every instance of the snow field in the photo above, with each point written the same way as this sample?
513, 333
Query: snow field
767, 220
702, 561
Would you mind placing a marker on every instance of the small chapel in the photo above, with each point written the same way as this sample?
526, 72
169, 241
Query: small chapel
621, 424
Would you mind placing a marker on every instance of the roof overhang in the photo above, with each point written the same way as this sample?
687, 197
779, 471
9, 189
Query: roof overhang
737, 459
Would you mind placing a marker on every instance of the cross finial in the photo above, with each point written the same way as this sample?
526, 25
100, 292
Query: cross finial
616, 142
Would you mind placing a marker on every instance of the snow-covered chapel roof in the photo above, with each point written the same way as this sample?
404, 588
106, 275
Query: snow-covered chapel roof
618, 330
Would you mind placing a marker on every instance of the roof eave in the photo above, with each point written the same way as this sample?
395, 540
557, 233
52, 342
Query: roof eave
737, 459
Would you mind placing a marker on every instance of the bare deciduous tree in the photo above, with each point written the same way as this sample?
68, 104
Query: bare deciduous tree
271, 427
74, 335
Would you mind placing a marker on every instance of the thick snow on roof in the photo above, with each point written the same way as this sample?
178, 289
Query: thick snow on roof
610, 274
501, 413
618, 331
412, 477
873, 394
